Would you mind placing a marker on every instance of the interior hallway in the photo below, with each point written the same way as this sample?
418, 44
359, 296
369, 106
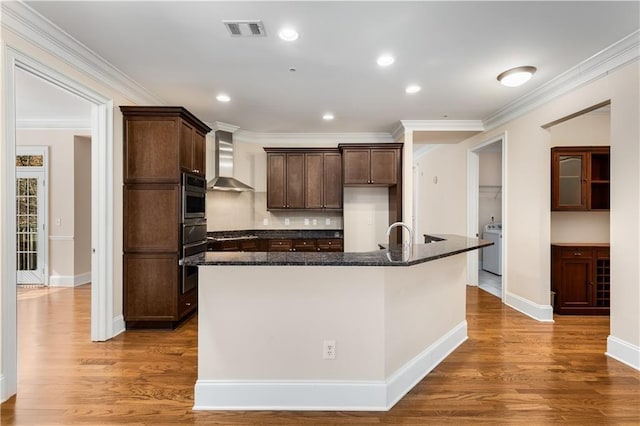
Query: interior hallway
511, 370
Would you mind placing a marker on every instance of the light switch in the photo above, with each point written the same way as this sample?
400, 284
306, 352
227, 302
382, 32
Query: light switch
286, 221
306, 222
327, 221
265, 221
315, 222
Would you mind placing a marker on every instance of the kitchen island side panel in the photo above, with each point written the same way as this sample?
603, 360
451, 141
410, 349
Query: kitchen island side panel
270, 322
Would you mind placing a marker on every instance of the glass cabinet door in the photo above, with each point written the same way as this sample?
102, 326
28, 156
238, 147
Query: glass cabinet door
570, 181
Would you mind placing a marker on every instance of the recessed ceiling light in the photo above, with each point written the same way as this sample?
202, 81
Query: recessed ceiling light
516, 76
288, 34
223, 98
328, 117
413, 88
385, 60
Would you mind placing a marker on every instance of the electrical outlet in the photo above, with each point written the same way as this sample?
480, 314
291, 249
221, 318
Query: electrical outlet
315, 222
329, 349
58, 221
265, 221
327, 221
286, 221
306, 221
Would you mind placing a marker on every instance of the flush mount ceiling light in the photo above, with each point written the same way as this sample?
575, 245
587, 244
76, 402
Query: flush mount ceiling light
385, 60
413, 88
288, 34
328, 117
223, 98
516, 76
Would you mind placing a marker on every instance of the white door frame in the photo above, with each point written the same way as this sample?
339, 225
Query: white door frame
101, 208
43, 203
473, 195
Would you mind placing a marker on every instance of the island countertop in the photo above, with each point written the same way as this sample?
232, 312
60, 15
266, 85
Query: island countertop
395, 255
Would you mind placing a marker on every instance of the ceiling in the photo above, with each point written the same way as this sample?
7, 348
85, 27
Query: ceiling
182, 53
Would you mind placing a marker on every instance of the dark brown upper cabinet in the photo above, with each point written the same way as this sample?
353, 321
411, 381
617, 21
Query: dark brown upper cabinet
303, 178
161, 143
580, 178
192, 149
323, 180
371, 165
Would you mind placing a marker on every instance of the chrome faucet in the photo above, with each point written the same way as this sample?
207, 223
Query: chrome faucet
404, 225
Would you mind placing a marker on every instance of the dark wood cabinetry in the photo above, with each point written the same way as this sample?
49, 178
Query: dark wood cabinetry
370, 166
580, 178
304, 179
159, 144
192, 149
278, 244
580, 278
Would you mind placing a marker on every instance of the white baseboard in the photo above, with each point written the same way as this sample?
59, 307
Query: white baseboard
326, 395
410, 374
69, 280
623, 351
542, 313
118, 325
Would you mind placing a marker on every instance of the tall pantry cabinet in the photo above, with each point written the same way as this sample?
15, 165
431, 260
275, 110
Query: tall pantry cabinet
160, 143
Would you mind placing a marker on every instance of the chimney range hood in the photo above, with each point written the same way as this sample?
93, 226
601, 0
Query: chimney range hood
223, 165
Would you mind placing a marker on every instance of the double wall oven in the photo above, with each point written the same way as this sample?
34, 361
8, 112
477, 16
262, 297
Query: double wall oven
194, 225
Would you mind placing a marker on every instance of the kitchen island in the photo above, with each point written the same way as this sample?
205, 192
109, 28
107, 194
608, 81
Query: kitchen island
326, 331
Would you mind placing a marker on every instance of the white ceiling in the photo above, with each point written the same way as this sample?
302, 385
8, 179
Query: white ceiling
182, 53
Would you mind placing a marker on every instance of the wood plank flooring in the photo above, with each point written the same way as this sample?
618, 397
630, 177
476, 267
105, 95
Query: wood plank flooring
511, 370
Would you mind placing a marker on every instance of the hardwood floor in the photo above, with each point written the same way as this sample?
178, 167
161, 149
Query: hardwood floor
511, 370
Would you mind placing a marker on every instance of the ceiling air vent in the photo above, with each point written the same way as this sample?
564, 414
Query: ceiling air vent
245, 28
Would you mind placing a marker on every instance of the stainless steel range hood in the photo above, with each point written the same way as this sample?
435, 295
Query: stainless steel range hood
223, 165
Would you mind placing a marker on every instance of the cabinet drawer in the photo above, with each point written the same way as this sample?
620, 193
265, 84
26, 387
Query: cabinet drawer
304, 245
329, 244
279, 245
576, 252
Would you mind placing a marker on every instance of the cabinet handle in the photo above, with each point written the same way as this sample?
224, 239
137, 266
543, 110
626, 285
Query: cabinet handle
318, 249
371, 181
329, 242
188, 303
577, 253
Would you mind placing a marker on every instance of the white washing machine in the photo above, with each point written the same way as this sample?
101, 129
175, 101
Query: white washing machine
492, 255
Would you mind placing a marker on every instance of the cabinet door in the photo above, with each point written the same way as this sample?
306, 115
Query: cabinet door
314, 182
151, 150
356, 166
152, 217
150, 287
276, 173
383, 167
569, 180
199, 153
332, 181
295, 181
576, 284
186, 147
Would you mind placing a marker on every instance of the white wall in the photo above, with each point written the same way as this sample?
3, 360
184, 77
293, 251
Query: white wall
591, 129
82, 209
528, 234
366, 218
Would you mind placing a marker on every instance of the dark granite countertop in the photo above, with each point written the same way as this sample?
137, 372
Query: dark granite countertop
396, 255
272, 234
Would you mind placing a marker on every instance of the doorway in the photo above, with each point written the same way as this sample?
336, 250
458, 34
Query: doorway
31, 216
102, 321
486, 171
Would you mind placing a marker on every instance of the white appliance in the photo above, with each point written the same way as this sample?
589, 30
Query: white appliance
492, 255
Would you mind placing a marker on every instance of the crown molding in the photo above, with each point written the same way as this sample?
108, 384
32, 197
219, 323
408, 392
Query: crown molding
275, 139
619, 54
28, 24
442, 125
225, 127
78, 124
